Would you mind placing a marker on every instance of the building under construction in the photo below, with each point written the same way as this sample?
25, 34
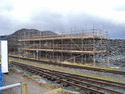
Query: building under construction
72, 46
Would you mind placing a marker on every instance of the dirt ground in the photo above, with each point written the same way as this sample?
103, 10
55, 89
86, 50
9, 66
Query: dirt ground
32, 86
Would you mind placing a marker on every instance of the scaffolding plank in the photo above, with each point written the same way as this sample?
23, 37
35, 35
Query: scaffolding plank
60, 38
66, 51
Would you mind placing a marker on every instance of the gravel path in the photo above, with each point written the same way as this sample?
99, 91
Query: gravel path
33, 88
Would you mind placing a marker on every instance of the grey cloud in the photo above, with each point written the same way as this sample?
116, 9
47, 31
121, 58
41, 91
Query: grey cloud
6, 23
119, 8
6, 19
7, 8
6, 5
45, 19
48, 19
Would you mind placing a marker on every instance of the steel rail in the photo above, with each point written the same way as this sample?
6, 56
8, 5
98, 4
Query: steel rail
85, 77
60, 77
73, 66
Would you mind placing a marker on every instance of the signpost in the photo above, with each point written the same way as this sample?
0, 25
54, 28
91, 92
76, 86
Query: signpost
19, 52
37, 53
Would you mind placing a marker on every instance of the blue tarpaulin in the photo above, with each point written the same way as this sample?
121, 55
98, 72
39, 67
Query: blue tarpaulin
2, 80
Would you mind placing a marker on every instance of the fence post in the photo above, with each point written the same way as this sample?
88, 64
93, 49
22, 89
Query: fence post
94, 62
24, 88
74, 59
59, 59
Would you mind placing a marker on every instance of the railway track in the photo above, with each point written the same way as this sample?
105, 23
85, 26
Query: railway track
73, 66
92, 85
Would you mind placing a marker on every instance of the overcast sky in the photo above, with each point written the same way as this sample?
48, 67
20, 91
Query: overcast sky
61, 15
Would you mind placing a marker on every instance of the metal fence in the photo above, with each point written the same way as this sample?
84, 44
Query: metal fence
19, 85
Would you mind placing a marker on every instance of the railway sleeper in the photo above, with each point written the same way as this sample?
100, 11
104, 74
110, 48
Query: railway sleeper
75, 82
28, 70
36, 72
58, 81
49, 78
44, 76
65, 85
60, 77
39, 74
42, 70
52, 79
45, 71
32, 71
88, 86
67, 75
89, 92
67, 79
96, 88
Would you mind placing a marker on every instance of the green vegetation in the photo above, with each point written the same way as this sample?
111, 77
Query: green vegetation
84, 73
78, 64
89, 65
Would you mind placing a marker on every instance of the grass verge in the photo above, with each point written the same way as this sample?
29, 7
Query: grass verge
83, 73
78, 64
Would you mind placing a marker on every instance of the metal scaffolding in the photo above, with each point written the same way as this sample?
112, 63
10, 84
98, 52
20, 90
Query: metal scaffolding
72, 46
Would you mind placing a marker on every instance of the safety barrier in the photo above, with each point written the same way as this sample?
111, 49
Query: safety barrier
22, 87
